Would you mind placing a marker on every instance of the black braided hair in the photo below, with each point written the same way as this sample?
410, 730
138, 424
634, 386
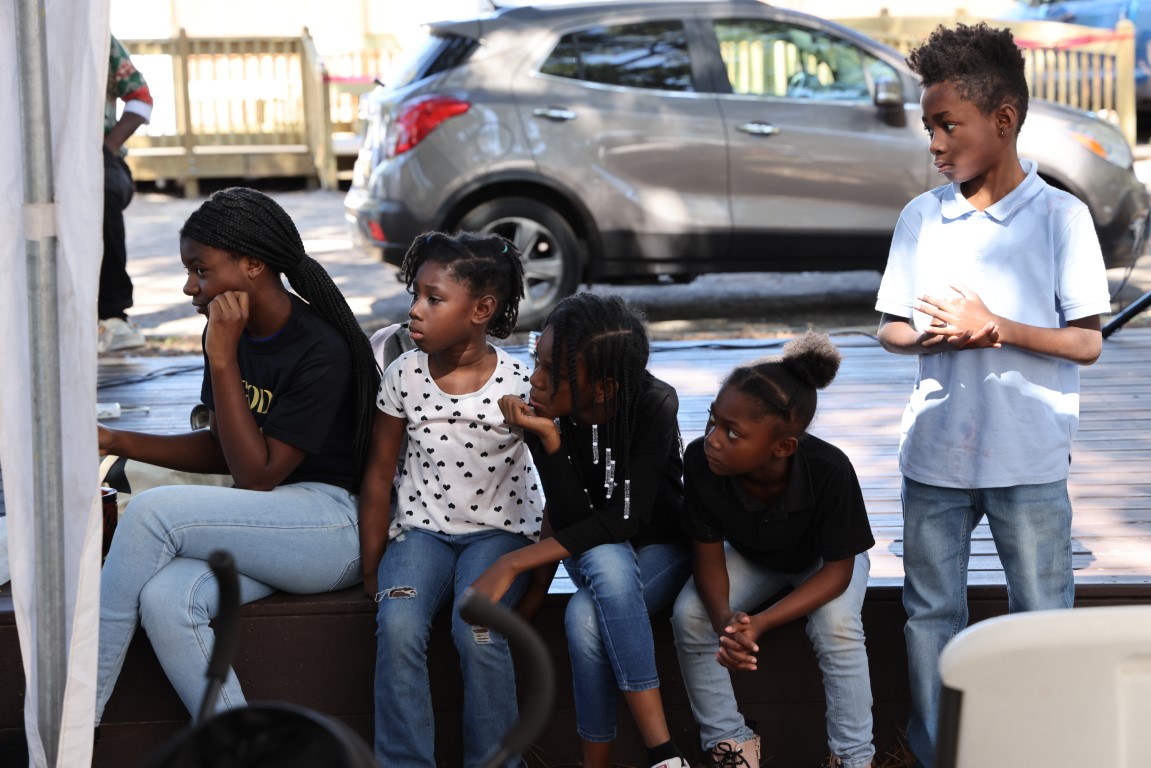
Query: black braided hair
485, 263
611, 340
245, 222
983, 63
786, 386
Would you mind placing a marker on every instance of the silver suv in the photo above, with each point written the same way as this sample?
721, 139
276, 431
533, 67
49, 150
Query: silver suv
626, 142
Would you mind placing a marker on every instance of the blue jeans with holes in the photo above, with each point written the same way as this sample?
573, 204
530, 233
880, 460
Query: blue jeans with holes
301, 538
1031, 526
608, 630
835, 631
421, 573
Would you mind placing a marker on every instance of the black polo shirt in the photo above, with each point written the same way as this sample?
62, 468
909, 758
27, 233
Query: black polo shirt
820, 514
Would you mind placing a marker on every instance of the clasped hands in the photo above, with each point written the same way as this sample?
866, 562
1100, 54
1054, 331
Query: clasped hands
962, 321
737, 643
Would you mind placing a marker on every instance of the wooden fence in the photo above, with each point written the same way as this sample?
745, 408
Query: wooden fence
1084, 67
246, 108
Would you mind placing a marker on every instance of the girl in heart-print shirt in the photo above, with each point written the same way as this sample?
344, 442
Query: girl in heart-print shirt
467, 493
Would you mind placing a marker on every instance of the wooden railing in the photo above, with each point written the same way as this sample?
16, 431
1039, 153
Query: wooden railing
1084, 67
244, 108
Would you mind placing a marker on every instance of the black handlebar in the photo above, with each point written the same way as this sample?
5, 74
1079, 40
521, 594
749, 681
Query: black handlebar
526, 646
227, 625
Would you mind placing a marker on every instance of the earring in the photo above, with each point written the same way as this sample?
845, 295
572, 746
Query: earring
1000, 131
595, 444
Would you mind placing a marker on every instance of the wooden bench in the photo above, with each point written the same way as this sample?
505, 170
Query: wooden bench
319, 652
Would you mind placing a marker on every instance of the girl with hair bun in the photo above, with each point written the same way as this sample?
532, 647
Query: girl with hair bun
288, 384
770, 506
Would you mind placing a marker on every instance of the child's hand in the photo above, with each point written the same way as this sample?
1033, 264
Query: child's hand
494, 582
517, 413
737, 646
227, 318
961, 322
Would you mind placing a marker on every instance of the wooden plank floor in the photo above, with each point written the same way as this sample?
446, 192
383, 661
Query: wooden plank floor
860, 412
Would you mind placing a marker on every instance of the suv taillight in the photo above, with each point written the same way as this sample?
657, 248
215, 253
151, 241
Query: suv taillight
419, 117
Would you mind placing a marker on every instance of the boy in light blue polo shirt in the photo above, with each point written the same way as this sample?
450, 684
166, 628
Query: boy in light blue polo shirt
997, 282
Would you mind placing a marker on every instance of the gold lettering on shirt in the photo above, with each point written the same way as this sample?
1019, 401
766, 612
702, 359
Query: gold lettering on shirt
259, 400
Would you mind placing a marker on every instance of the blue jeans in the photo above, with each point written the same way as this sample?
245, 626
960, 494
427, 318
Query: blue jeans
608, 630
421, 573
1031, 526
835, 631
301, 538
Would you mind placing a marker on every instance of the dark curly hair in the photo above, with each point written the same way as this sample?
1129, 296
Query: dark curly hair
983, 63
785, 386
484, 263
245, 222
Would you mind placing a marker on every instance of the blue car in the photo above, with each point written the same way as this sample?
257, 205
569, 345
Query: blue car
1099, 13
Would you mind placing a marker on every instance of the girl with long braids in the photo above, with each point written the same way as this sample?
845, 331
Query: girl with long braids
770, 506
289, 381
605, 437
465, 497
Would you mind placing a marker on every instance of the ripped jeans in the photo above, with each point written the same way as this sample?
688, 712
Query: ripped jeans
421, 573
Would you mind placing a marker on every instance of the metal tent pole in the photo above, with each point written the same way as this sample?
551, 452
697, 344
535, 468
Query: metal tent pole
44, 328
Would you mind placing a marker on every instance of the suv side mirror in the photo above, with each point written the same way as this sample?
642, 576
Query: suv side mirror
888, 93
889, 100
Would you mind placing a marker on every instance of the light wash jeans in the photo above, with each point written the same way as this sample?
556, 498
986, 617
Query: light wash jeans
1031, 526
300, 538
608, 630
835, 631
421, 573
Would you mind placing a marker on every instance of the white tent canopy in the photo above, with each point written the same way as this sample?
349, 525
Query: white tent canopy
51, 188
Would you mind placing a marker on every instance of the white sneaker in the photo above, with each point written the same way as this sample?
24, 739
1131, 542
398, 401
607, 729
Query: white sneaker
675, 762
116, 334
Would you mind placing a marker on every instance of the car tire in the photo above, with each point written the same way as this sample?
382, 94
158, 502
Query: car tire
551, 252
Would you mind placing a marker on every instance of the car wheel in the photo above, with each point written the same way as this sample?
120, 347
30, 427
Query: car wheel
551, 252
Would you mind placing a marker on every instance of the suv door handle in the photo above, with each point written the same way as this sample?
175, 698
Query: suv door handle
758, 129
554, 113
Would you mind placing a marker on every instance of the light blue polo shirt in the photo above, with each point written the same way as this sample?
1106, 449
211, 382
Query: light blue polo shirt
988, 418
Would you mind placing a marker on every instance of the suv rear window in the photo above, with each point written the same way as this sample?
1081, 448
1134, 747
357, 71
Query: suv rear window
435, 53
648, 55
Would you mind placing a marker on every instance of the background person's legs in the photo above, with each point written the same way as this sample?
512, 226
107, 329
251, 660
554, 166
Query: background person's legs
115, 285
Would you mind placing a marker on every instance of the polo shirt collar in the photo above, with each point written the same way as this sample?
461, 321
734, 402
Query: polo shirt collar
955, 206
796, 497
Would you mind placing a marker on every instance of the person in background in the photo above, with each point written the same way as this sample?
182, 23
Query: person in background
126, 84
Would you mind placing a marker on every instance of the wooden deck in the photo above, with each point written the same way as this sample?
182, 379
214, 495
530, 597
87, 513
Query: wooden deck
860, 412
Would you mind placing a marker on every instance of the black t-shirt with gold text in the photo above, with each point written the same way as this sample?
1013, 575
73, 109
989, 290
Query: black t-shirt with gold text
297, 386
